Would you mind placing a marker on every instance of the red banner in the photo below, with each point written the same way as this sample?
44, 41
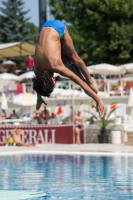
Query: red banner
60, 134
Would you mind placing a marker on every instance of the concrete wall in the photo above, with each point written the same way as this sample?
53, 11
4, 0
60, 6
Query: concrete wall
91, 136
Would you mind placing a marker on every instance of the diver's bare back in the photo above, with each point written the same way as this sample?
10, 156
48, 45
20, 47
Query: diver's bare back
48, 50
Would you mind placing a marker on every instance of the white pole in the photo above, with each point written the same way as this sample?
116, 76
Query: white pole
121, 85
108, 86
105, 82
72, 118
70, 85
132, 112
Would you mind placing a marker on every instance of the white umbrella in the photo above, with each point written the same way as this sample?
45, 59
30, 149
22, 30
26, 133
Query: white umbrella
57, 91
56, 74
70, 92
25, 99
91, 69
130, 100
100, 94
83, 94
64, 77
8, 76
108, 69
27, 75
8, 62
128, 67
30, 75
4, 105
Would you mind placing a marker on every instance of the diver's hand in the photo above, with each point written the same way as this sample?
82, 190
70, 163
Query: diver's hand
100, 108
40, 100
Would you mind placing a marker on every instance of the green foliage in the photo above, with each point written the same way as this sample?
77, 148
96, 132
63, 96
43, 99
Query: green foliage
14, 24
104, 121
34, 30
102, 30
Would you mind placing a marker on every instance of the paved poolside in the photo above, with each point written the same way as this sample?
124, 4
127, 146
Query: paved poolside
90, 148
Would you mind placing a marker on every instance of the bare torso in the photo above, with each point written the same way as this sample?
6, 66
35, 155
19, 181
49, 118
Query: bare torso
78, 119
48, 50
17, 138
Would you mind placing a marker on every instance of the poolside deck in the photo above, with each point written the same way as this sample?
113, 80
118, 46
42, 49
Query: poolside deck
70, 149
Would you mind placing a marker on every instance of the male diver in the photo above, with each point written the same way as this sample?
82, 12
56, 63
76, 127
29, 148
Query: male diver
55, 52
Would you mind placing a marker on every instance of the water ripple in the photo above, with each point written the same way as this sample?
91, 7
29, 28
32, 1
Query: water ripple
69, 177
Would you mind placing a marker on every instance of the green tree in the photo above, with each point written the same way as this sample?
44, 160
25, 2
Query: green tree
34, 30
102, 30
14, 23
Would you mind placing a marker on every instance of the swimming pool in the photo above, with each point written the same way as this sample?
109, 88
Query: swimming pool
69, 177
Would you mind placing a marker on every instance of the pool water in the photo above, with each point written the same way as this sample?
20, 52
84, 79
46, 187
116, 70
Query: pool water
69, 177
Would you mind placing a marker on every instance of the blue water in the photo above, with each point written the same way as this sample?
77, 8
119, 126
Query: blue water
69, 177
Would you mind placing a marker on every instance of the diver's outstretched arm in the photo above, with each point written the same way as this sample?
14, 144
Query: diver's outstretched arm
61, 69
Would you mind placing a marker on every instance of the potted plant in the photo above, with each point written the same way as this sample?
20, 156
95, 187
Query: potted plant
103, 123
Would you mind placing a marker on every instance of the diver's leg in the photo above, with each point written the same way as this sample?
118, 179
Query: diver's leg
77, 130
70, 65
69, 49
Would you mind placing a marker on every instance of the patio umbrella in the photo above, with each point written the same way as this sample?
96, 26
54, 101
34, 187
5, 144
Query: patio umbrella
64, 78
27, 75
30, 75
83, 94
91, 69
70, 93
57, 91
4, 105
8, 76
100, 94
25, 99
56, 75
130, 101
16, 49
8, 62
128, 67
108, 69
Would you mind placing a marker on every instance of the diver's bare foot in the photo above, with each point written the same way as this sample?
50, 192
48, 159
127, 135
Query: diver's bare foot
93, 85
40, 100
